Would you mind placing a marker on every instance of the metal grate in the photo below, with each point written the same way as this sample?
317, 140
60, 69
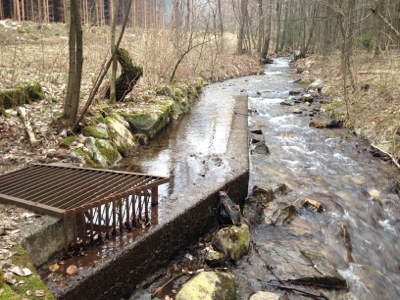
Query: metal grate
97, 203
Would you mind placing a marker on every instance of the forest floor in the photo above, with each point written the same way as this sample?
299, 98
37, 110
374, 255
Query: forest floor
39, 52
373, 106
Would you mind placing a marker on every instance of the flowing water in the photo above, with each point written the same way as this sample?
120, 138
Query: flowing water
335, 168
328, 165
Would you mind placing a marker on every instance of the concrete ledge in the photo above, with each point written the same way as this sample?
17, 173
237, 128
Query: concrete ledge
118, 277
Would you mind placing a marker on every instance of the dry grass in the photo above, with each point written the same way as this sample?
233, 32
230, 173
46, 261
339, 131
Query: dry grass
374, 106
29, 51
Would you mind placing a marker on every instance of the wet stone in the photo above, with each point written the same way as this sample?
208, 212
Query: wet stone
278, 213
310, 204
233, 241
214, 257
299, 266
208, 286
259, 148
265, 296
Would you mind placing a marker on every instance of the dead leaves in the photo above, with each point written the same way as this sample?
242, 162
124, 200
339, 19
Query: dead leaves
38, 293
23, 272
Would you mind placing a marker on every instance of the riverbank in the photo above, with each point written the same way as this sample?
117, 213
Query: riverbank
373, 106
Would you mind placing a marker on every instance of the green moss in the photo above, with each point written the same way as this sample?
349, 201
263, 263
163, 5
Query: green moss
20, 95
30, 283
208, 286
108, 150
67, 142
124, 55
335, 110
95, 131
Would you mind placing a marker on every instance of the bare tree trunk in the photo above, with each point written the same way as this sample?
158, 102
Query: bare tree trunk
67, 11
113, 49
188, 8
1, 10
261, 25
75, 64
278, 10
267, 38
17, 10
220, 19
243, 12
23, 17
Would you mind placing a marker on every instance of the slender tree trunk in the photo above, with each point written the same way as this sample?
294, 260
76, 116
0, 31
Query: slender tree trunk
285, 26
17, 11
267, 38
23, 17
220, 19
113, 50
75, 64
261, 26
278, 11
67, 11
240, 40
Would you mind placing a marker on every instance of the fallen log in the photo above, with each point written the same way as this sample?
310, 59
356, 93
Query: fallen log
25, 117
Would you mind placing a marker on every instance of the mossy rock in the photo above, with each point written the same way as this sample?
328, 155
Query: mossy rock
209, 286
30, 283
147, 123
99, 131
104, 152
67, 142
20, 95
233, 241
120, 134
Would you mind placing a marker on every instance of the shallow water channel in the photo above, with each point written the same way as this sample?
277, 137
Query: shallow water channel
329, 165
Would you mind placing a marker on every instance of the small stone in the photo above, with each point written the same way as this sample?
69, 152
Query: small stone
311, 204
233, 241
214, 257
261, 295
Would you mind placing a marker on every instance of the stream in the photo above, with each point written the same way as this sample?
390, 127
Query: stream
358, 231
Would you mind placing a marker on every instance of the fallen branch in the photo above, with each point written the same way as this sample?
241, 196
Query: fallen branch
160, 289
388, 154
25, 117
290, 288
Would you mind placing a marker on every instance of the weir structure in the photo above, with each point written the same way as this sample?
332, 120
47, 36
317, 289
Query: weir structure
94, 204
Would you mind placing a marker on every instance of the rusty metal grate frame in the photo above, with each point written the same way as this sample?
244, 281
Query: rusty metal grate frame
102, 202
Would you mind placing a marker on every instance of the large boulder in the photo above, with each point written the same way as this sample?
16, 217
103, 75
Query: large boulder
149, 123
98, 131
209, 286
102, 152
233, 241
294, 263
120, 134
